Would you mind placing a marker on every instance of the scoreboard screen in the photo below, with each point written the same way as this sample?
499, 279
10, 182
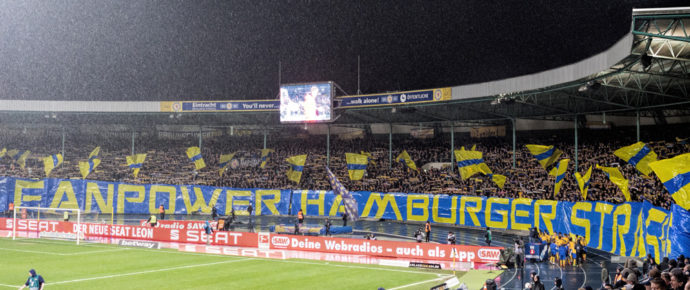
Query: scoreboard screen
306, 103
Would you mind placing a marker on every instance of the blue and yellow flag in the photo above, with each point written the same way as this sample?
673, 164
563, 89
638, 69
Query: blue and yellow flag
469, 163
356, 165
224, 161
617, 178
51, 162
349, 201
265, 155
194, 154
545, 155
583, 182
369, 156
675, 174
559, 172
638, 155
86, 167
19, 156
405, 159
3, 152
135, 162
297, 162
499, 180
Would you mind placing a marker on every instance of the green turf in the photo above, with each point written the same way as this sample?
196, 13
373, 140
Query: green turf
64, 265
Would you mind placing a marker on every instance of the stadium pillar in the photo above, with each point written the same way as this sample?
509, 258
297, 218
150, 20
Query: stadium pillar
63, 142
390, 145
452, 147
328, 145
575, 143
264, 139
133, 134
200, 131
637, 124
514, 141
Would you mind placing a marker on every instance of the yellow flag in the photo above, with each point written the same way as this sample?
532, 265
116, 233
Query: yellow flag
356, 165
51, 162
638, 155
675, 174
559, 172
617, 178
545, 155
296, 163
194, 154
3, 152
86, 167
583, 182
405, 159
135, 162
224, 161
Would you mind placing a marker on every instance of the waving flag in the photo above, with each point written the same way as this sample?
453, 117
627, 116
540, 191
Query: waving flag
338, 189
297, 162
51, 162
135, 162
86, 167
583, 182
617, 178
545, 155
405, 159
499, 180
225, 160
265, 155
369, 156
559, 172
675, 174
468, 163
638, 155
356, 165
3, 152
19, 156
194, 154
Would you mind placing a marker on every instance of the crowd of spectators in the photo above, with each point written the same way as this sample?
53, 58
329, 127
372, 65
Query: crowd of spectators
672, 274
167, 163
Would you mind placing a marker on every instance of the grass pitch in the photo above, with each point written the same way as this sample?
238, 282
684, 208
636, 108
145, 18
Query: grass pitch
64, 265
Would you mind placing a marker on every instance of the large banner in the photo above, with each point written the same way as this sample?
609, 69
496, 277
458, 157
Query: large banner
627, 229
107, 197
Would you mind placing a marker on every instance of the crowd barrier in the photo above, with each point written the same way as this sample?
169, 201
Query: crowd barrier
626, 229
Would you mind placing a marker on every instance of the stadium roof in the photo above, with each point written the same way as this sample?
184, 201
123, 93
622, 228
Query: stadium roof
647, 70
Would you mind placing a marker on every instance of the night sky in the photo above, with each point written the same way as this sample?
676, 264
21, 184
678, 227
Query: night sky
220, 50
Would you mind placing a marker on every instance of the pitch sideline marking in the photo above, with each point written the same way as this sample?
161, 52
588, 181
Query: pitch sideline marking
147, 272
354, 267
61, 254
420, 282
10, 286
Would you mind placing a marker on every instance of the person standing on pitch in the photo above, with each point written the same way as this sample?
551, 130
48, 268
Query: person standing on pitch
487, 236
300, 216
152, 220
161, 212
327, 225
427, 231
344, 219
35, 281
209, 232
10, 209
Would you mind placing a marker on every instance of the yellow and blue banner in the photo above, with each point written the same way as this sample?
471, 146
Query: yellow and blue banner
3, 152
638, 155
265, 155
545, 155
626, 229
135, 162
194, 155
51, 162
356, 165
583, 182
86, 167
296, 163
405, 159
224, 161
617, 178
675, 174
559, 172
468, 163
348, 201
